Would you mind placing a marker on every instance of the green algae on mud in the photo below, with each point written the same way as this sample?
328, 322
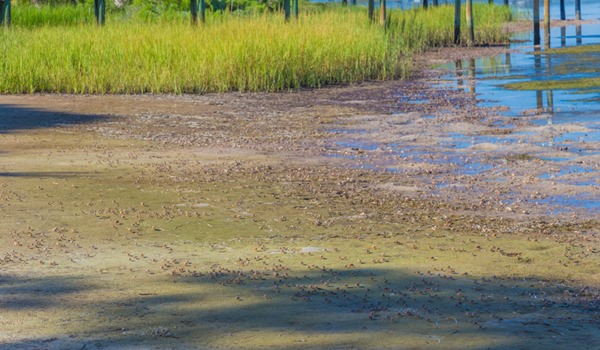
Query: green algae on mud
559, 84
570, 50
584, 64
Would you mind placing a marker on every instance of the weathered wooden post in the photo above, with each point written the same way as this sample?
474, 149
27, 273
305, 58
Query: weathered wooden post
578, 40
491, 2
563, 14
382, 13
563, 36
435, 3
99, 11
547, 13
96, 10
194, 11
547, 23
353, 2
296, 9
536, 22
578, 10
457, 22
5, 17
505, 2
286, 9
371, 9
425, 4
470, 26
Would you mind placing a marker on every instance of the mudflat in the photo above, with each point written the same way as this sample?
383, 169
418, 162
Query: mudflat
246, 221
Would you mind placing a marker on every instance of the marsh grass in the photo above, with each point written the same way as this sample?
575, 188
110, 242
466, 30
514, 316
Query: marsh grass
61, 52
45, 15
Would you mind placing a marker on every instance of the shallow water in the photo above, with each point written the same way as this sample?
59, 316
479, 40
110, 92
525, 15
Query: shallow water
561, 127
589, 8
489, 78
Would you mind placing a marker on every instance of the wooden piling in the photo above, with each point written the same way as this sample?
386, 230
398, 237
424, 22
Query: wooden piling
563, 14
505, 2
382, 12
547, 23
435, 3
371, 9
536, 22
100, 11
96, 10
470, 25
296, 9
456, 22
578, 10
5, 15
425, 4
547, 13
194, 11
286, 9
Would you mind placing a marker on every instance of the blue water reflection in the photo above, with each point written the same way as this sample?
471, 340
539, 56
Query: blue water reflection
569, 151
590, 8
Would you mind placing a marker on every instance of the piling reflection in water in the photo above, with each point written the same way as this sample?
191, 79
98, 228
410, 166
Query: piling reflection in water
549, 94
490, 79
472, 79
458, 71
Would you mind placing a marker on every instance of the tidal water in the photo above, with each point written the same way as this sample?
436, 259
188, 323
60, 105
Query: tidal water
589, 8
488, 81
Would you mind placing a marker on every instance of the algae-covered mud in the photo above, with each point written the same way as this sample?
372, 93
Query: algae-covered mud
223, 221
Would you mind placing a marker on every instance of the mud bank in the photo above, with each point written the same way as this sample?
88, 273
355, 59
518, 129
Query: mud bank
250, 221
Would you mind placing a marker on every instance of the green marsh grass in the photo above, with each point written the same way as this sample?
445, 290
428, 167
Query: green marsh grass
229, 53
45, 15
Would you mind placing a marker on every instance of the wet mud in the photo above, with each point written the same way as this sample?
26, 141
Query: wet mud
346, 217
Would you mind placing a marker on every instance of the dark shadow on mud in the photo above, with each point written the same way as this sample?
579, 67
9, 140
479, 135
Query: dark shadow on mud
18, 293
40, 174
442, 310
14, 117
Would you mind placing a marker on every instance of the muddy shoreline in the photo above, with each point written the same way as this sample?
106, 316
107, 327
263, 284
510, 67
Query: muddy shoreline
243, 221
